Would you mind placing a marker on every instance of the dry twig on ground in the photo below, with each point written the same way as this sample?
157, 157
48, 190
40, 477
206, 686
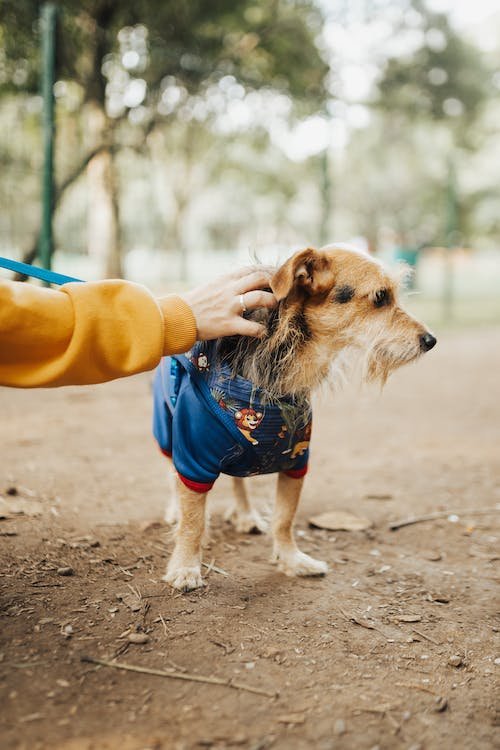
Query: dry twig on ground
395, 525
180, 676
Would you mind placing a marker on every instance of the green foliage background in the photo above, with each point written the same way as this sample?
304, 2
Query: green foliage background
178, 179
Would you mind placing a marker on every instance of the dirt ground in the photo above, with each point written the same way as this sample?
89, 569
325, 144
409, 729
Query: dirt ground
396, 648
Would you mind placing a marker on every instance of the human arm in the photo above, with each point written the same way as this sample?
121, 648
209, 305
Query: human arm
87, 333
92, 332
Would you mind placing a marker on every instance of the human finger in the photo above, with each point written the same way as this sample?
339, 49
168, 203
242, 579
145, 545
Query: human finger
249, 328
256, 280
255, 299
240, 273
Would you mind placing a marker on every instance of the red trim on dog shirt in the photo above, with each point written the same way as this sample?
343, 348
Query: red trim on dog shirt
166, 453
296, 473
196, 486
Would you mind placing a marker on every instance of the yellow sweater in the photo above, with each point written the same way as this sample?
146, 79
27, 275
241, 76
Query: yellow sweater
87, 333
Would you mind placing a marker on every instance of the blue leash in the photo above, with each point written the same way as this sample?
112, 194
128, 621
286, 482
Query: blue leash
50, 277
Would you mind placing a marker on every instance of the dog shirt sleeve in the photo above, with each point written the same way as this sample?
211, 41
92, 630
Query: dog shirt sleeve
300, 466
187, 429
201, 441
298, 471
162, 416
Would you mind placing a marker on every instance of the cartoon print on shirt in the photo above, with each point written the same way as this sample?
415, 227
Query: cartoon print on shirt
303, 443
247, 420
283, 431
295, 418
200, 361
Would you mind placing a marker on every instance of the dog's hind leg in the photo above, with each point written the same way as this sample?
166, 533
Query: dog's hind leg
290, 559
243, 517
172, 506
184, 567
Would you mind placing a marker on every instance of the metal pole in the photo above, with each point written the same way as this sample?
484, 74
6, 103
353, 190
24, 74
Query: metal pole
48, 29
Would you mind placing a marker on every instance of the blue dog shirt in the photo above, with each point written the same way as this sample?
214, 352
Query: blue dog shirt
211, 422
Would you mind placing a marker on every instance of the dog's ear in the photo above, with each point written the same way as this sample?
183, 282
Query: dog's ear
308, 272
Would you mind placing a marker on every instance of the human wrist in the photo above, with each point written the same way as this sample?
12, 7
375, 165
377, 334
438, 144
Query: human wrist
179, 324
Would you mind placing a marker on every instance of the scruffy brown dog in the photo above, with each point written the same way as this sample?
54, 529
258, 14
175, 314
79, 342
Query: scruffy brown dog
336, 306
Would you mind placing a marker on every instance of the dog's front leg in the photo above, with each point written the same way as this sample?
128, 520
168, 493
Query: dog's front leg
184, 567
290, 559
172, 507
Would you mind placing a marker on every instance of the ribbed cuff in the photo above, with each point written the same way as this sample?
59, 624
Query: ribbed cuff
179, 325
200, 487
296, 473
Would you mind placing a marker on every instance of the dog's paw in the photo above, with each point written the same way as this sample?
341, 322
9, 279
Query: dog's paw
184, 578
297, 563
247, 523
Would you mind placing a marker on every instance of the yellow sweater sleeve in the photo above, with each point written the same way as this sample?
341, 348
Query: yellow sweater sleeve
87, 333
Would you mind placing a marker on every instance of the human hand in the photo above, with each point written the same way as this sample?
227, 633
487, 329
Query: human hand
219, 305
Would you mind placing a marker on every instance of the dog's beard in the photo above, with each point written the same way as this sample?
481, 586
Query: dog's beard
386, 355
370, 356
346, 365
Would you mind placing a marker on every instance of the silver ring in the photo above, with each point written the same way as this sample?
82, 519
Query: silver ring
242, 303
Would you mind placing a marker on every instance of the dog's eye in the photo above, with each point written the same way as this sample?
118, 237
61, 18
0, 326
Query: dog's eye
344, 294
381, 298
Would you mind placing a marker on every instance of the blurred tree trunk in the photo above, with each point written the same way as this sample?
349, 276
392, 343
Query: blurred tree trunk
183, 182
326, 198
370, 226
103, 229
182, 202
183, 191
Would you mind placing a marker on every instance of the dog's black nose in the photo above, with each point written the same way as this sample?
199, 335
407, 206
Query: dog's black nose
427, 341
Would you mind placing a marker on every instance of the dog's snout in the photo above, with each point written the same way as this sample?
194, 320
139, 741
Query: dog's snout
427, 341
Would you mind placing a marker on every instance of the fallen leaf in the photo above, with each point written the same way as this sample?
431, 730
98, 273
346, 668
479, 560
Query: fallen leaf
433, 555
138, 638
14, 505
340, 521
296, 718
